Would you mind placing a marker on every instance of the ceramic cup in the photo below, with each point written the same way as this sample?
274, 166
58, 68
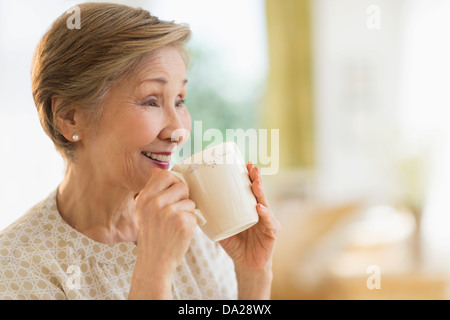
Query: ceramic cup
220, 186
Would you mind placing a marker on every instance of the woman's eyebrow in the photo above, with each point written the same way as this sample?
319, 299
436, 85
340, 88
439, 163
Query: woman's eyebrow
162, 80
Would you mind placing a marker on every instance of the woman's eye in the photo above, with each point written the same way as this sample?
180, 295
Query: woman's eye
151, 102
180, 103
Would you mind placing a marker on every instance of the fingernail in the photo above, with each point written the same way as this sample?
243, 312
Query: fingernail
262, 206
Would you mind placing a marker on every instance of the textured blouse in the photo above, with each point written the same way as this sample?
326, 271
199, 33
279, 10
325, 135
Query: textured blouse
42, 257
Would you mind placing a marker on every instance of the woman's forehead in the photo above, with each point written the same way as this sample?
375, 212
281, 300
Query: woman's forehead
162, 66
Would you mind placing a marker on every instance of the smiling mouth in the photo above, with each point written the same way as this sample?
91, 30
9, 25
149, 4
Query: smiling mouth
157, 156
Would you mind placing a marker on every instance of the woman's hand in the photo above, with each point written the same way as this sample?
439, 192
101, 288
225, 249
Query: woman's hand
252, 249
166, 223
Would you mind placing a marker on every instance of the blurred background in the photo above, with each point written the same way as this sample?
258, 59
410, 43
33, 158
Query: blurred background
359, 90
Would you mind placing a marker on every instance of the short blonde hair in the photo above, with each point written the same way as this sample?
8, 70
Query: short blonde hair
78, 66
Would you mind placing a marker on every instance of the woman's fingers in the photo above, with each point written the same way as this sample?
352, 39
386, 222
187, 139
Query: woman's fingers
255, 178
252, 171
264, 212
161, 179
166, 186
272, 226
259, 193
166, 216
182, 217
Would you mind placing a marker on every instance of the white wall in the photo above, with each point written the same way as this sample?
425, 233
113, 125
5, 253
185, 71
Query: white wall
383, 103
356, 79
426, 110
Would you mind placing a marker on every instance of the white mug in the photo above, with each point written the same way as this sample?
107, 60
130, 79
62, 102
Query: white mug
220, 186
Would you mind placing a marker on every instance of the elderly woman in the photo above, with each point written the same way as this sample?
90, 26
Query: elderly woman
120, 225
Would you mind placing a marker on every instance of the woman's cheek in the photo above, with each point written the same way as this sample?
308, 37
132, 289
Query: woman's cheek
187, 124
145, 127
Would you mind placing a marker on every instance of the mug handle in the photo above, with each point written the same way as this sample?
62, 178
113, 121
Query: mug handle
200, 218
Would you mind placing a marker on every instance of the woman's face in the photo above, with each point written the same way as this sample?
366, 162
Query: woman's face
141, 116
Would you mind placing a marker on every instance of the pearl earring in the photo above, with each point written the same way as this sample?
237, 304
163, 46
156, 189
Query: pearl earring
75, 137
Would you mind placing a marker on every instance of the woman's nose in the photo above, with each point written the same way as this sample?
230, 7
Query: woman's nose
174, 129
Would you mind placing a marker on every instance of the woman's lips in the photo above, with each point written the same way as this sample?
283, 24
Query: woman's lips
161, 159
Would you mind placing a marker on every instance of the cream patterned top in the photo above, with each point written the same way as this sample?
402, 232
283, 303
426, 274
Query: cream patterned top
42, 257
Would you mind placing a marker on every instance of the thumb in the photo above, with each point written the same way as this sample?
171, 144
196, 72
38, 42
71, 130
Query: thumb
153, 172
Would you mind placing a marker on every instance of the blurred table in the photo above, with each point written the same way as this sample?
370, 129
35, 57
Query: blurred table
334, 252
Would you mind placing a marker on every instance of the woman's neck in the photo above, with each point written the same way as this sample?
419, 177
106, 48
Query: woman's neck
96, 208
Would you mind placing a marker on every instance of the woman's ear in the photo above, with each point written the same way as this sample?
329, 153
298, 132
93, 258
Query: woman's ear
69, 122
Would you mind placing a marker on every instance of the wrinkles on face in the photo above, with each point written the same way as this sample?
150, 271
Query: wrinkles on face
130, 124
